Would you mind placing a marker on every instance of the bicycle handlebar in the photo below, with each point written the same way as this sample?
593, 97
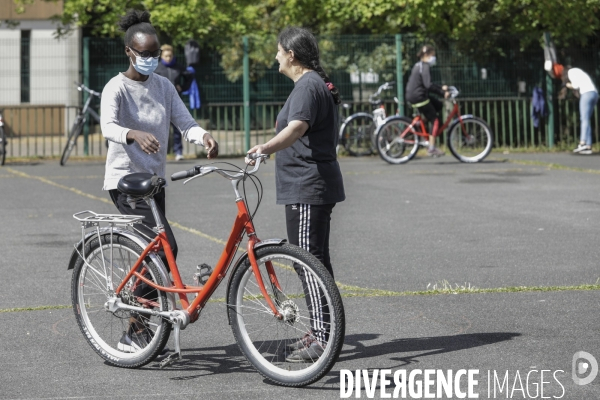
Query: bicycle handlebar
200, 170
81, 86
385, 86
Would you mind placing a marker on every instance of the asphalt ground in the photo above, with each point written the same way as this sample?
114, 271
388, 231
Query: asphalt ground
441, 265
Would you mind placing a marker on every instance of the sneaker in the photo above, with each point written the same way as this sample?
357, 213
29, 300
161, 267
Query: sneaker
434, 152
305, 341
307, 354
583, 149
132, 341
179, 157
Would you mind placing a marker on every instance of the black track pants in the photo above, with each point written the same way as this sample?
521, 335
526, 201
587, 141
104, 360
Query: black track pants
308, 227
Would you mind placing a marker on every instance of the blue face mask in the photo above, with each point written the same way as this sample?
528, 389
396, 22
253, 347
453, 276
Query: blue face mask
145, 66
431, 61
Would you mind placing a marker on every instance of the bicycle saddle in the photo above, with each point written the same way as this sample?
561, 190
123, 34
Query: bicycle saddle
140, 184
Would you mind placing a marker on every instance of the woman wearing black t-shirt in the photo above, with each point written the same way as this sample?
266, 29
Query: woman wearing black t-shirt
308, 177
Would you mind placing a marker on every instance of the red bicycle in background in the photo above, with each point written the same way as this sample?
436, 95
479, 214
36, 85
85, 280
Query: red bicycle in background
470, 139
124, 297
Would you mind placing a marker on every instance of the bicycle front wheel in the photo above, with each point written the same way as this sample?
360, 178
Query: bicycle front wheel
2, 146
122, 338
357, 135
397, 141
303, 346
72, 140
470, 141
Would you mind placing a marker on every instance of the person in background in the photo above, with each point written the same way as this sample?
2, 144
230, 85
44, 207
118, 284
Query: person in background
583, 86
182, 80
417, 93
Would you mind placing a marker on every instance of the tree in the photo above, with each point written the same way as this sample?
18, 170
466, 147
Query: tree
477, 26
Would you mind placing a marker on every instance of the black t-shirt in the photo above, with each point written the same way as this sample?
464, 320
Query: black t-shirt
307, 172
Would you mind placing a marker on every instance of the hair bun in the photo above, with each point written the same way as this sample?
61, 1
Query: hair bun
133, 17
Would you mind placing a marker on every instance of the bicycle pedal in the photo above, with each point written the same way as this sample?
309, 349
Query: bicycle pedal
203, 273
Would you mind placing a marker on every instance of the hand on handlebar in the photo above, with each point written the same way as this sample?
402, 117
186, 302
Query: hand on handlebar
258, 149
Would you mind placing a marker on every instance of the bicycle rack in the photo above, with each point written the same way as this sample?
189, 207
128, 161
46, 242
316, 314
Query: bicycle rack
90, 220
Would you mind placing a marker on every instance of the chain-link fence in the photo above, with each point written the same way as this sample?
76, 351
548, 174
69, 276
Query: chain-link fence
40, 100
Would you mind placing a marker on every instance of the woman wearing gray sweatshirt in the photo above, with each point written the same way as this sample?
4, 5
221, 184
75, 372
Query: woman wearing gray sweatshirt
137, 108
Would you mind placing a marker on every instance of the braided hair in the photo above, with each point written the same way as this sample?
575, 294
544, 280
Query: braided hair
135, 22
306, 51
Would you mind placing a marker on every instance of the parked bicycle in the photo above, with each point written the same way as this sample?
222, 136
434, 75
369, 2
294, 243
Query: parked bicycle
80, 122
357, 133
2, 141
470, 139
265, 299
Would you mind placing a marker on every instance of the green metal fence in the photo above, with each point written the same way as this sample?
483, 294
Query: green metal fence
498, 92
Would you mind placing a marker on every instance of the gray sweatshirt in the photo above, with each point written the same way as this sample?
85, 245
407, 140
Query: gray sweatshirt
148, 106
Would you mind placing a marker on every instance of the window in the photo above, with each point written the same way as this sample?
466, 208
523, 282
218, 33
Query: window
25, 66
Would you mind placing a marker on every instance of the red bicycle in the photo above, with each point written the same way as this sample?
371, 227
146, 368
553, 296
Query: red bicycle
124, 297
470, 139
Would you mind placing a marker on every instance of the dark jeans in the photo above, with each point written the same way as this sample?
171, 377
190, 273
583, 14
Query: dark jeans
177, 144
308, 226
142, 208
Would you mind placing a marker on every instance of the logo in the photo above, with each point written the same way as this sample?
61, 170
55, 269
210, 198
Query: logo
584, 364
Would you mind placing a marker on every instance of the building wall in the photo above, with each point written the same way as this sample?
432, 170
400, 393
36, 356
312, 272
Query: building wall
10, 77
39, 10
54, 67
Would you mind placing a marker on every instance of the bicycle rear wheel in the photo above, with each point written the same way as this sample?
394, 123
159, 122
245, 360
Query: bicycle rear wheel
269, 343
72, 140
397, 142
357, 134
470, 141
123, 338
2, 146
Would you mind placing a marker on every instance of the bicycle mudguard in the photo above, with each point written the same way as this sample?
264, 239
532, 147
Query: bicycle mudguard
392, 118
457, 121
164, 274
244, 257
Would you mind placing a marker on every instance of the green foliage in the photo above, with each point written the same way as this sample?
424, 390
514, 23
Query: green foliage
479, 27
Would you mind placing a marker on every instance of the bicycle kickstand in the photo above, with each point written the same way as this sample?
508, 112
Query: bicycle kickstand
171, 358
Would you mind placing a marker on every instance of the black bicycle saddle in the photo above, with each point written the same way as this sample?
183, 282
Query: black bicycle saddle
140, 184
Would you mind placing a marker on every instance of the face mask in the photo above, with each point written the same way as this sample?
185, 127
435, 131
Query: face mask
431, 61
145, 66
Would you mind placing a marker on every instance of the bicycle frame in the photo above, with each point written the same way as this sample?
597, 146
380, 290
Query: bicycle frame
87, 109
418, 119
242, 224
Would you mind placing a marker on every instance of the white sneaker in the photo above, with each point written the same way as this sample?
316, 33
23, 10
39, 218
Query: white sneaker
583, 149
179, 157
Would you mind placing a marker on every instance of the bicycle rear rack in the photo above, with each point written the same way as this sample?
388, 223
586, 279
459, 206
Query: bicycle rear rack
89, 219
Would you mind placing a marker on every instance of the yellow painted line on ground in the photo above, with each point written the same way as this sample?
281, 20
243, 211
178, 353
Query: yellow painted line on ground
355, 291
58, 185
104, 200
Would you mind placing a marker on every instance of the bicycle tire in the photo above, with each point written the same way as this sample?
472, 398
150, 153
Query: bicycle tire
72, 140
397, 142
102, 329
2, 146
474, 143
356, 134
266, 349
